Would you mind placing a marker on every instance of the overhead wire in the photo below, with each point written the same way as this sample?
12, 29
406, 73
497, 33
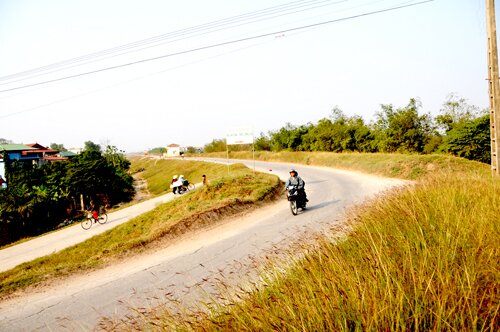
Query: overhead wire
191, 32
216, 45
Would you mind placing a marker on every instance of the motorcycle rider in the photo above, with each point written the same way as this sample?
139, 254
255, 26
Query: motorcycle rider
296, 180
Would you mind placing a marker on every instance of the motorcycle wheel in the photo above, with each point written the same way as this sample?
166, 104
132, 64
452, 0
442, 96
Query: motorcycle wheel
294, 208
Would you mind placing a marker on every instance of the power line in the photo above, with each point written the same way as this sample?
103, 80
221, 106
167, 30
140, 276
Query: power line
196, 31
216, 45
121, 83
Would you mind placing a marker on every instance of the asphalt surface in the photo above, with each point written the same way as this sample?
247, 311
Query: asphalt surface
189, 270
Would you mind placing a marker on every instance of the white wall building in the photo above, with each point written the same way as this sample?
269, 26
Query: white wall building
173, 150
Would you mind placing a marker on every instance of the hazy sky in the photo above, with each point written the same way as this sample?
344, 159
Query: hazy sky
426, 51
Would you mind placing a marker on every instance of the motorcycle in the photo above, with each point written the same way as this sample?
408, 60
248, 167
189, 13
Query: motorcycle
296, 199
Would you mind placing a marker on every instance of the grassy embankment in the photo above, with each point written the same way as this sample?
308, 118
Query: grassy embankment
426, 258
403, 166
225, 195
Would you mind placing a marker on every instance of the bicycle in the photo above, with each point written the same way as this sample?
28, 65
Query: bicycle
93, 216
186, 187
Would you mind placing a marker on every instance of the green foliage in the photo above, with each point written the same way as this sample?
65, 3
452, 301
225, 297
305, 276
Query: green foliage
456, 112
262, 143
158, 150
470, 140
192, 149
339, 133
289, 138
55, 146
37, 198
91, 146
403, 129
216, 145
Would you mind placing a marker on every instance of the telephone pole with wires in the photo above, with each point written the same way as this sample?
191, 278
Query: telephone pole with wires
494, 88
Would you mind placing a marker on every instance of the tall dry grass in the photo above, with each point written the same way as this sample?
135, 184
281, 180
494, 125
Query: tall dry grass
424, 259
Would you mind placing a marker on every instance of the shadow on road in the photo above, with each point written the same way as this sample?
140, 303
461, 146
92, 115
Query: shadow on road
322, 204
317, 181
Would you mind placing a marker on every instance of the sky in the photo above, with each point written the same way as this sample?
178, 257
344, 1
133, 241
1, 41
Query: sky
145, 74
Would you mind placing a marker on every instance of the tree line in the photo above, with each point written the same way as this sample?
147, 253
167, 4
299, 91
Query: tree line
460, 129
38, 198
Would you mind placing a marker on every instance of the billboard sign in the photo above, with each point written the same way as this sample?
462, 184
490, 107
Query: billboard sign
239, 136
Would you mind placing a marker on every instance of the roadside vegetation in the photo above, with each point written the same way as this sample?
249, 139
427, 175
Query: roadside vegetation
38, 198
396, 165
460, 129
225, 195
424, 258
159, 172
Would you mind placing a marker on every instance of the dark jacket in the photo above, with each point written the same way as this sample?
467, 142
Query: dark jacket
295, 181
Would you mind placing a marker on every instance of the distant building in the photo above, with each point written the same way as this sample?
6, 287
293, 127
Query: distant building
173, 150
29, 153
67, 154
18, 152
75, 150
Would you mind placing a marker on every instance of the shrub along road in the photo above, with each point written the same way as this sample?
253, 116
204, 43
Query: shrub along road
193, 264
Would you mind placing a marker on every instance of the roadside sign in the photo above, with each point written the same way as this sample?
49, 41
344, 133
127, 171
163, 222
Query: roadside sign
239, 136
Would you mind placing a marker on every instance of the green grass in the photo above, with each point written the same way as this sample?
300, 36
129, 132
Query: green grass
423, 259
206, 206
159, 172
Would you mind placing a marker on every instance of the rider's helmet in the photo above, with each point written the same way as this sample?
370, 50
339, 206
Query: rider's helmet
175, 177
293, 171
181, 176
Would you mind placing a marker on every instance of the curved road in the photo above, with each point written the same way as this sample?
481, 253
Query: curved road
190, 268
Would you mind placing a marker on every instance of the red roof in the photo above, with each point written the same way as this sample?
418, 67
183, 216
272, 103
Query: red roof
36, 146
54, 158
40, 151
173, 146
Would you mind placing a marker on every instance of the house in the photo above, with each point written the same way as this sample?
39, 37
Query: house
43, 154
173, 150
16, 152
33, 153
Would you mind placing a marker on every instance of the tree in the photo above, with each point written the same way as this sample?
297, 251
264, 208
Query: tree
339, 133
289, 138
55, 146
403, 129
5, 141
262, 143
192, 149
94, 175
91, 146
158, 150
470, 140
217, 145
456, 112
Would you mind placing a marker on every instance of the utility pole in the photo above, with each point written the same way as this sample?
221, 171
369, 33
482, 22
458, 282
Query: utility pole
494, 89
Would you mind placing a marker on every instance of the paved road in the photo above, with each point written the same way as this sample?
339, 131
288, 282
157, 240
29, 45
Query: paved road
190, 266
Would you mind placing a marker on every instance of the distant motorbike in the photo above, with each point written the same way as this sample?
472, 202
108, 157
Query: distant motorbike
296, 199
